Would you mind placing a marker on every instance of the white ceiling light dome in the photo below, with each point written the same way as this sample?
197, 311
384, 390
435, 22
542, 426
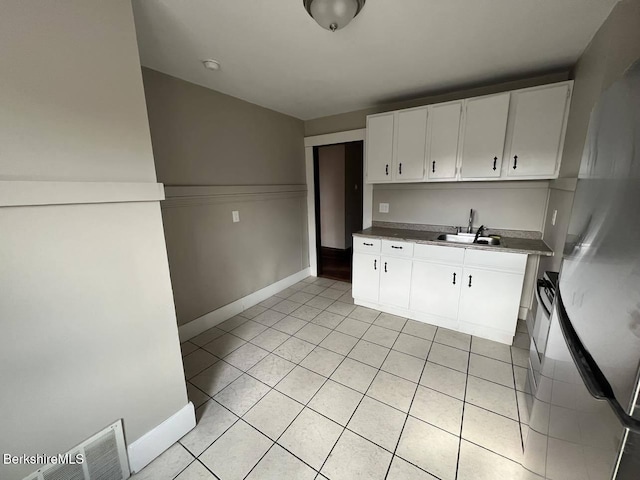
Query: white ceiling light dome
333, 14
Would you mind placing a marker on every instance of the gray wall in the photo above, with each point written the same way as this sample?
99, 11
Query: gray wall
612, 50
331, 173
358, 119
88, 325
204, 138
503, 205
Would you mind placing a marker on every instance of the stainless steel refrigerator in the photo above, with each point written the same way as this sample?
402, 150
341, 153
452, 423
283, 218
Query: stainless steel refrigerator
585, 413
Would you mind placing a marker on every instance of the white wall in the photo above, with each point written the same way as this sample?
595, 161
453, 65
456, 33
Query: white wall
331, 176
504, 205
89, 333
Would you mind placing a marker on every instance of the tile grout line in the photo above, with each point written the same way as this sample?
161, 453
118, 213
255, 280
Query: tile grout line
357, 406
515, 392
361, 338
409, 410
464, 404
306, 406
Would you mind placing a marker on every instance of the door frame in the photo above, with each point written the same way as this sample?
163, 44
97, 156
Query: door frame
367, 189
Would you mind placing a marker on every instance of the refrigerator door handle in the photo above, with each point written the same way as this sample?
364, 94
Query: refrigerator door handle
593, 378
541, 284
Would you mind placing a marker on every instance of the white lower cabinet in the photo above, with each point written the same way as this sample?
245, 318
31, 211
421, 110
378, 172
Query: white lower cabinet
435, 289
489, 298
395, 281
474, 291
366, 276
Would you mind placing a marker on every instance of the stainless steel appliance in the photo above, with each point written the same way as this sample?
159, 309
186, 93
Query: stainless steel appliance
538, 324
585, 421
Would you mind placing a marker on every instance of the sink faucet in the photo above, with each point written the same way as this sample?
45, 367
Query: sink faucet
470, 227
478, 233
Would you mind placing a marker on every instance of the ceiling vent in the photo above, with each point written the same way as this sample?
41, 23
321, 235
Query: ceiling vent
103, 457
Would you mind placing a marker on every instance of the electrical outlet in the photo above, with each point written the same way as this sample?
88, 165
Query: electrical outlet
384, 208
235, 215
553, 218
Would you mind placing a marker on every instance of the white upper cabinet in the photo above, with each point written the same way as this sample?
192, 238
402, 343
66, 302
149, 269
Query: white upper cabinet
474, 139
411, 136
442, 140
538, 118
484, 134
379, 147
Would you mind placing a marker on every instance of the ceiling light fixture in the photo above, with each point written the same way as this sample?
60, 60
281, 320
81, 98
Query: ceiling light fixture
211, 64
333, 14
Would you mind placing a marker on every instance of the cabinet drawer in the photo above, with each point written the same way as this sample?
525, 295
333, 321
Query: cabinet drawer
504, 261
366, 244
436, 253
397, 249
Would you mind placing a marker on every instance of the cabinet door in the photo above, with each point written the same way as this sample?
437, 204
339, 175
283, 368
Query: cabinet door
490, 298
485, 128
442, 147
435, 289
411, 138
395, 281
379, 147
537, 131
366, 276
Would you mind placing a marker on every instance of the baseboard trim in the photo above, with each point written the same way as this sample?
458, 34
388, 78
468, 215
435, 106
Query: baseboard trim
523, 313
148, 447
211, 319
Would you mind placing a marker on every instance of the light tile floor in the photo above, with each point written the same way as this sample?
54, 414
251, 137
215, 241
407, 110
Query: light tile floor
306, 385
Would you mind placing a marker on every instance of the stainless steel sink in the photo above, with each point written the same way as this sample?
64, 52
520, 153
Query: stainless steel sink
468, 238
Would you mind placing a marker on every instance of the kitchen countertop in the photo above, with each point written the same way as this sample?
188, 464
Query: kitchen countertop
527, 246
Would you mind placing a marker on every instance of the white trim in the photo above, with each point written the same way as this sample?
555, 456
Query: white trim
367, 188
338, 137
211, 319
311, 212
568, 184
523, 312
27, 193
229, 190
154, 442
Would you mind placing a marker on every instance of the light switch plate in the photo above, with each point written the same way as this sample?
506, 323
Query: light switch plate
236, 216
384, 208
553, 218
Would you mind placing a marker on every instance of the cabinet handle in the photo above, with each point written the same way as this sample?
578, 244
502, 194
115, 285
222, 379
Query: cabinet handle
393, 246
433, 167
386, 169
400, 169
454, 278
367, 244
375, 264
515, 162
469, 280
495, 159
385, 267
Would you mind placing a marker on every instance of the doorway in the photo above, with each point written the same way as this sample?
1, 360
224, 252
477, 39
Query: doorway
338, 203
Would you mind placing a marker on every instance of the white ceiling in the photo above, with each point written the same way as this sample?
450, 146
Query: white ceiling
275, 55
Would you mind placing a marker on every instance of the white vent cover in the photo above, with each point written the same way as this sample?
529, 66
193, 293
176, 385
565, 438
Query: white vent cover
105, 458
